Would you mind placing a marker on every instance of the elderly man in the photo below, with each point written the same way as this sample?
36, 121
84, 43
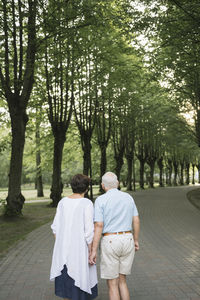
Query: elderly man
115, 217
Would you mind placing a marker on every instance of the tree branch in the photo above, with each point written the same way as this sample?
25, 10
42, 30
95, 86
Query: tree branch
20, 44
15, 60
6, 53
184, 10
31, 50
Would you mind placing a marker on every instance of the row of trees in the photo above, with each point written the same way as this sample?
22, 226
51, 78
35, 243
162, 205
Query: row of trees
79, 61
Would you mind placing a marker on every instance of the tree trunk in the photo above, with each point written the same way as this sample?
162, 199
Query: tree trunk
193, 173
119, 163
39, 183
129, 154
151, 164
187, 173
119, 147
103, 166
197, 125
142, 162
91, 187
134, 179
175, 164
129, 159
86, 160
182, 174
87, 164
167, 176
170, 172
160, 165
198, 168
57, 185
15, 199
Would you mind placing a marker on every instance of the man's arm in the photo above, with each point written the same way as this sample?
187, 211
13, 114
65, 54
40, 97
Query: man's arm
136, 230
98, 228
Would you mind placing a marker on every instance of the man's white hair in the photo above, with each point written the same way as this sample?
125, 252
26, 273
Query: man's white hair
109, 179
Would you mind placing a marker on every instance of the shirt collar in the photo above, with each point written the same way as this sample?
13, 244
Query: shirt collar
112, 190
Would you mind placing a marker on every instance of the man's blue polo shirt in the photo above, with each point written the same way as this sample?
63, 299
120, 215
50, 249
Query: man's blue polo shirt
116, 210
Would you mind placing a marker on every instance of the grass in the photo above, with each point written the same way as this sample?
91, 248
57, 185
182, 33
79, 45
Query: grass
194, 197
31, 194
15, 229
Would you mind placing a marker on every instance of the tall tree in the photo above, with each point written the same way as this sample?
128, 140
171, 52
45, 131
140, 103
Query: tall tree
18, 35
86, 106
59, 73
103, 130
118, 137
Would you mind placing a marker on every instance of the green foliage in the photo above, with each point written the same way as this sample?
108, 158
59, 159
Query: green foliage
89, 54
172, 29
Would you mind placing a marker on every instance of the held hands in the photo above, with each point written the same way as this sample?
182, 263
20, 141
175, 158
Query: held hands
93, 254
92, 257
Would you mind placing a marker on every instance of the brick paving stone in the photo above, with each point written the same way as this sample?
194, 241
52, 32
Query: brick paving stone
167, 267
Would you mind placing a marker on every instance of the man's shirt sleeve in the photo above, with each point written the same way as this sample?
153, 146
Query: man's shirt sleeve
98, 211
134, 210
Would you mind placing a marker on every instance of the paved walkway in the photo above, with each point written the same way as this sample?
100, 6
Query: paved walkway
166, 267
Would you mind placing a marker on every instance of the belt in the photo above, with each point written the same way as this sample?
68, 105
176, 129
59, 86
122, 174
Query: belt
121, 232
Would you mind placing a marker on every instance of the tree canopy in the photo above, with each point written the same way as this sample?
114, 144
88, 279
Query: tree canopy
90, 86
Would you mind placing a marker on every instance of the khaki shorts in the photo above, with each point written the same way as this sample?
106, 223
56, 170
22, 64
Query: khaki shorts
117, 254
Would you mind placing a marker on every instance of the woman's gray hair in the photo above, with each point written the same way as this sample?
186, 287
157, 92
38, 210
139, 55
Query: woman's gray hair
109, 180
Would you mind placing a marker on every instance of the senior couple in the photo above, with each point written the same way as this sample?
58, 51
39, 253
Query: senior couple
78, 229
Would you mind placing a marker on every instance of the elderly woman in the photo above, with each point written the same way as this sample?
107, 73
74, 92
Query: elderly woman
73, 228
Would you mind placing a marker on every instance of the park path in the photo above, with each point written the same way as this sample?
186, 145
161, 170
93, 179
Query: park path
166, 267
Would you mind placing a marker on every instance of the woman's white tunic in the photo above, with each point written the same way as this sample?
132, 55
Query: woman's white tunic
74, 229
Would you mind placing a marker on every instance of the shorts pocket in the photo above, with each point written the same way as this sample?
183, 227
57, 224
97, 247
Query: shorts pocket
112, 247
106, 245
128, 245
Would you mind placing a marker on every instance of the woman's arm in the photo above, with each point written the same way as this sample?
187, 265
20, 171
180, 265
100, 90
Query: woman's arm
89, 224
55, 223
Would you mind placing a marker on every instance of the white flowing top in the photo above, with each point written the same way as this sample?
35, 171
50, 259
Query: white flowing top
74, 229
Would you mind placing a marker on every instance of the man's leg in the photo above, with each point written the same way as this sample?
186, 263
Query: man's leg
113, 289
124, 292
